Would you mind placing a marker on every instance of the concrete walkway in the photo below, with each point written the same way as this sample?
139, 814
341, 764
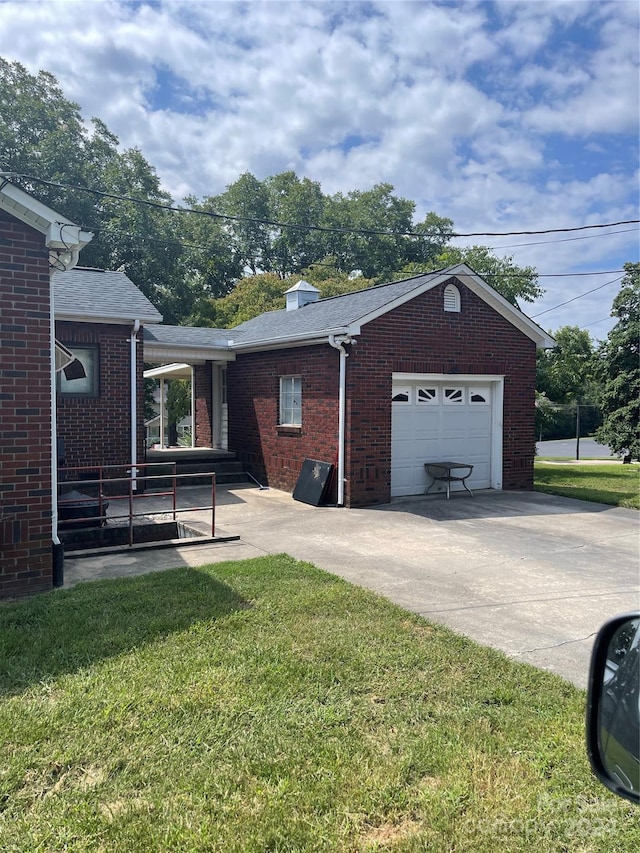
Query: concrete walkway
530, 574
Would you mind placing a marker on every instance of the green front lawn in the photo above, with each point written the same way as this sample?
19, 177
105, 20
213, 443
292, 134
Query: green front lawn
268, 706
608, 483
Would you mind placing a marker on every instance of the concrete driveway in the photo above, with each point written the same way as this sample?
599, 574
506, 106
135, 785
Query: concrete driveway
527, 573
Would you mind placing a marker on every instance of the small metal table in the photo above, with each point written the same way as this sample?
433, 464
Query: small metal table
449, 472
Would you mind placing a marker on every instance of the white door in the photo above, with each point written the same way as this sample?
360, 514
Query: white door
437, 421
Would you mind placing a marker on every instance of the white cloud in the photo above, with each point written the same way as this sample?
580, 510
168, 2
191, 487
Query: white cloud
457, 105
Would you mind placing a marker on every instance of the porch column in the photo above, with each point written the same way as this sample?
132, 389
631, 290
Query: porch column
202, 375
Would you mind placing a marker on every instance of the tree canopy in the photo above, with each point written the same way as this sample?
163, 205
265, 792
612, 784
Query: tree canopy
619, 370
565, 374
219, 263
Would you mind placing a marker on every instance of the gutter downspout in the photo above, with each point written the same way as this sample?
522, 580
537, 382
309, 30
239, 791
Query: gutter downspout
338, 343
57, 570
68, 263
193, 406
54, 421
134, 400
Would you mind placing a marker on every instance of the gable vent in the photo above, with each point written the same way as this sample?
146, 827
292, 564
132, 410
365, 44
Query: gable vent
451, 298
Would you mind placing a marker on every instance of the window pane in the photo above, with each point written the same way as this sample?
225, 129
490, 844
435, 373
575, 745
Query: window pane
291, 400
86, 385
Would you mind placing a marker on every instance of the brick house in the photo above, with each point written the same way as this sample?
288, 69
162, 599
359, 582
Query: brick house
92, 318
376, 382
99, 317
436, 367
33, 240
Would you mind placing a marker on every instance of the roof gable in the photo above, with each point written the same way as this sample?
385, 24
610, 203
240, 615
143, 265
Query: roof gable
347, 313
63, 238
103, 296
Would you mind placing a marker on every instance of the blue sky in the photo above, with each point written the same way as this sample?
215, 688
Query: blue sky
504, 116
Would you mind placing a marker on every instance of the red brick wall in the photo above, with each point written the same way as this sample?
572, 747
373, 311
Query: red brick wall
203, 403
25, 411
418, 337
96, 430
274, 454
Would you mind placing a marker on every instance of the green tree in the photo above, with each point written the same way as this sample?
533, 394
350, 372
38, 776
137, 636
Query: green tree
42, 134
300, 202
178, 405
251, 296
513, 282
619, 370
247, 202
565, 379
182, 262
566, 372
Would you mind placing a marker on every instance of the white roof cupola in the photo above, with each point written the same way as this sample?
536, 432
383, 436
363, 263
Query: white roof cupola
301, 294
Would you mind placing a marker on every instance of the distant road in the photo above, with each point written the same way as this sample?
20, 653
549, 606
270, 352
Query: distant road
589, 449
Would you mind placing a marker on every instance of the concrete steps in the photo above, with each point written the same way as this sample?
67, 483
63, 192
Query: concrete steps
191, 462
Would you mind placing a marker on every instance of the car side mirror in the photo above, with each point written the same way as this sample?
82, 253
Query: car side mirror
613, 706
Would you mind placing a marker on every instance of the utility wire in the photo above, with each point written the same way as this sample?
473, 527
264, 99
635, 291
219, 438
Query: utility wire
595, 322
565, 239
586, 293
321, 228
96, 229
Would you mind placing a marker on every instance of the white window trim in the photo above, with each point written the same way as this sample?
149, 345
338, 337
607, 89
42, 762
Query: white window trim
433, 401
485, 390
295, 406
401, 389
448, 401
92, 372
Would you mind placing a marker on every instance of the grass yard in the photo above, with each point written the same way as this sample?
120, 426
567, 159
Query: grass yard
608, 483
266, 705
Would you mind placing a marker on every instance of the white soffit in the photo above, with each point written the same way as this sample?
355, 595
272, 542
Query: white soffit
60, 232
169, 371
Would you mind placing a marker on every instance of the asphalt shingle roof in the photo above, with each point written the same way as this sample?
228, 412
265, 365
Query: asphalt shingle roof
89, 293
335, 312
186, 336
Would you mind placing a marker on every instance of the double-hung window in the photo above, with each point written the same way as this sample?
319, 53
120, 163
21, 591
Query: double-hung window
290, 400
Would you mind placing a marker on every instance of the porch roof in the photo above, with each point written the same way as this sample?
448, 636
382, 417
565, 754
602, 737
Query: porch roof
169, 371
188, 344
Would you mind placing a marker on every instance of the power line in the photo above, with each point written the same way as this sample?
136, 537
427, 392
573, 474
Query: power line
96, 229
322, 228
565, 240
595, 322
562, 304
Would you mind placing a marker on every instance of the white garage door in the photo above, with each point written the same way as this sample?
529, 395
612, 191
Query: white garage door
435, 421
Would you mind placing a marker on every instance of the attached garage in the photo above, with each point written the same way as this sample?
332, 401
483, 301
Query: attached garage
433, 368
436, 418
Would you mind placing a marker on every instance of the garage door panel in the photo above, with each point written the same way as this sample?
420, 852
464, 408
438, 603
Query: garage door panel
441, 430
402, 478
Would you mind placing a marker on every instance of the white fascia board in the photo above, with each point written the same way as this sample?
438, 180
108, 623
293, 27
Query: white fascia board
430, 283
289, 341
107, 319
154, 351
514, 315
448, 377
169, 371
61, 232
